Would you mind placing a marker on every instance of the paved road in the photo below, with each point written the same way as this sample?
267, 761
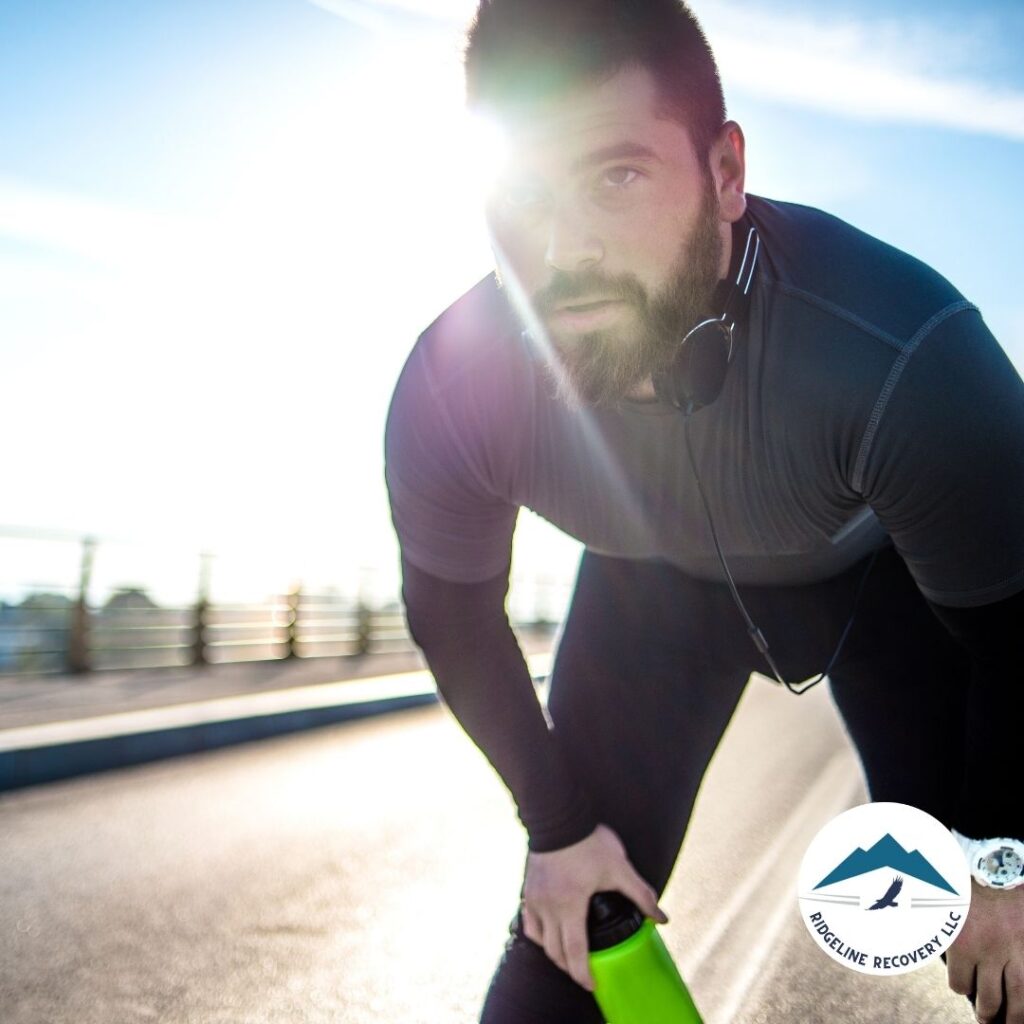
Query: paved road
330, 877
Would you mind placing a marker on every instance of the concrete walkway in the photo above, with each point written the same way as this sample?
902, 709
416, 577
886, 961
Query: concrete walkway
54, 727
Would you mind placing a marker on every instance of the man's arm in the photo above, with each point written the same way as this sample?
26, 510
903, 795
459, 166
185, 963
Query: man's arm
987, 959
465, 636
993, 635
942, 465
450, 514
451, 517
943, 468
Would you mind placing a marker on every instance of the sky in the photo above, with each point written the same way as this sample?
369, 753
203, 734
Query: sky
224, 223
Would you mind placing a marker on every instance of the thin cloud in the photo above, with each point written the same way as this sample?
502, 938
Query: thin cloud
99, 230
909, 70
395, 18
451, 11
884, 71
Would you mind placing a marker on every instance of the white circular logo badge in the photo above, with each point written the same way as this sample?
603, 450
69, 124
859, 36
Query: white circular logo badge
884, 888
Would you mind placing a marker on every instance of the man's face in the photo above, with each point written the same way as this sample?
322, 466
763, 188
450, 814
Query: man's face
607, 234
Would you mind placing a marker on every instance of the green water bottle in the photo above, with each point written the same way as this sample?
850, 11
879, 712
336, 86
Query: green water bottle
635, 979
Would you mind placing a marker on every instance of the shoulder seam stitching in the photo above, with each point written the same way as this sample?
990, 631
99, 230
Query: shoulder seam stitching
844, 314
890, 384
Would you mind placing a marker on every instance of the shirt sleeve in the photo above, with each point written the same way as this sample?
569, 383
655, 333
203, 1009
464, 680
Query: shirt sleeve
449, 522
942, 461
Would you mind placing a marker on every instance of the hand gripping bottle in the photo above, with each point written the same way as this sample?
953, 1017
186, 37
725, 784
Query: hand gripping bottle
635, 979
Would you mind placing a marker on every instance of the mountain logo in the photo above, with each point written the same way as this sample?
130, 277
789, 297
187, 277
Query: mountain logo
884, 888
886, 853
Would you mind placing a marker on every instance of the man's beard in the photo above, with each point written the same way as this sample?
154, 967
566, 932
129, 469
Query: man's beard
604, 366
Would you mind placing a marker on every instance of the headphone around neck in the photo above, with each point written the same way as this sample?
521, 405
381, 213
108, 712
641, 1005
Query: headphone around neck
696, 375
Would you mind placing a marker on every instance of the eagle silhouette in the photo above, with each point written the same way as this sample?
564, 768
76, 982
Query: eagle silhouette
889, 899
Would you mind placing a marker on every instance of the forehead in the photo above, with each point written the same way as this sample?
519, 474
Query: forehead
625, 107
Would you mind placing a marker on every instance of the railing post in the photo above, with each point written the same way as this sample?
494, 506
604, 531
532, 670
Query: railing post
294, 597
78, 639
364, 627
202, 610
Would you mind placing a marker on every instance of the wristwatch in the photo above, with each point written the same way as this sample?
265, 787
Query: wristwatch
994, 863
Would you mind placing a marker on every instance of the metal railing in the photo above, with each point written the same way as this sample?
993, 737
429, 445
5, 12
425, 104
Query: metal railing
56, 629
72, 637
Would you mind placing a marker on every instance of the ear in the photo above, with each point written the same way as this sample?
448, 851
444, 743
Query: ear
728, 169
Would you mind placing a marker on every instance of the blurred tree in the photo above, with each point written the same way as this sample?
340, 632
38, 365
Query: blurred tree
129, 599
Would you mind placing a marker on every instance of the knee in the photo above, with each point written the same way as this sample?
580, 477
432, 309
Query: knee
527, 988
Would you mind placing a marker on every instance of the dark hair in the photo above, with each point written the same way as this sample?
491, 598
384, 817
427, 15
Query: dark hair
519, 52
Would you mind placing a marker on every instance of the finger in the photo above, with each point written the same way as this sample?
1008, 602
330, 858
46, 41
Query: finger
990, 991
1013, 978
574, 942
645, 898
959, 973
553, 946
532, 927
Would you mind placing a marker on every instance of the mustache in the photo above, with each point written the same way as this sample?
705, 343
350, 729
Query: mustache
590, 284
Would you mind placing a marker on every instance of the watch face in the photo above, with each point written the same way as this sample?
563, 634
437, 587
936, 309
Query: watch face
1001, 866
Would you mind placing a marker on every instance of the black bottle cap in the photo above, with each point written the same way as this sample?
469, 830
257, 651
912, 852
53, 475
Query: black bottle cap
611, 919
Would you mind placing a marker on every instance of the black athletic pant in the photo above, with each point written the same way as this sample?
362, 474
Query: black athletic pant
650, 667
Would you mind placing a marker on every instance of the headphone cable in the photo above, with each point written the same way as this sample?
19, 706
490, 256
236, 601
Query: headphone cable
753, 632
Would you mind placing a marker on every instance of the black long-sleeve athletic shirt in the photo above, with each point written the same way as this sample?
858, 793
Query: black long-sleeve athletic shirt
866, 401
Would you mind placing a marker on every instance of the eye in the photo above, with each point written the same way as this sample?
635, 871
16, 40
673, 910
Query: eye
522, 195
619, 177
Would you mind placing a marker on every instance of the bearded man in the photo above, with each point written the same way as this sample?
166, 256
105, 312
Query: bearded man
697, 383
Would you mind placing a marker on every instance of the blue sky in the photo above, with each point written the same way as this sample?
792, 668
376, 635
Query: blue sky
222, 225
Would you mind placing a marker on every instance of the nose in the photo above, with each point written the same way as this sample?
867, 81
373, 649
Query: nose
572, 244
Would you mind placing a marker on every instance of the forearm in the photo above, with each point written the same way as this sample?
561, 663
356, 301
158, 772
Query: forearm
993, 634
483, 678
